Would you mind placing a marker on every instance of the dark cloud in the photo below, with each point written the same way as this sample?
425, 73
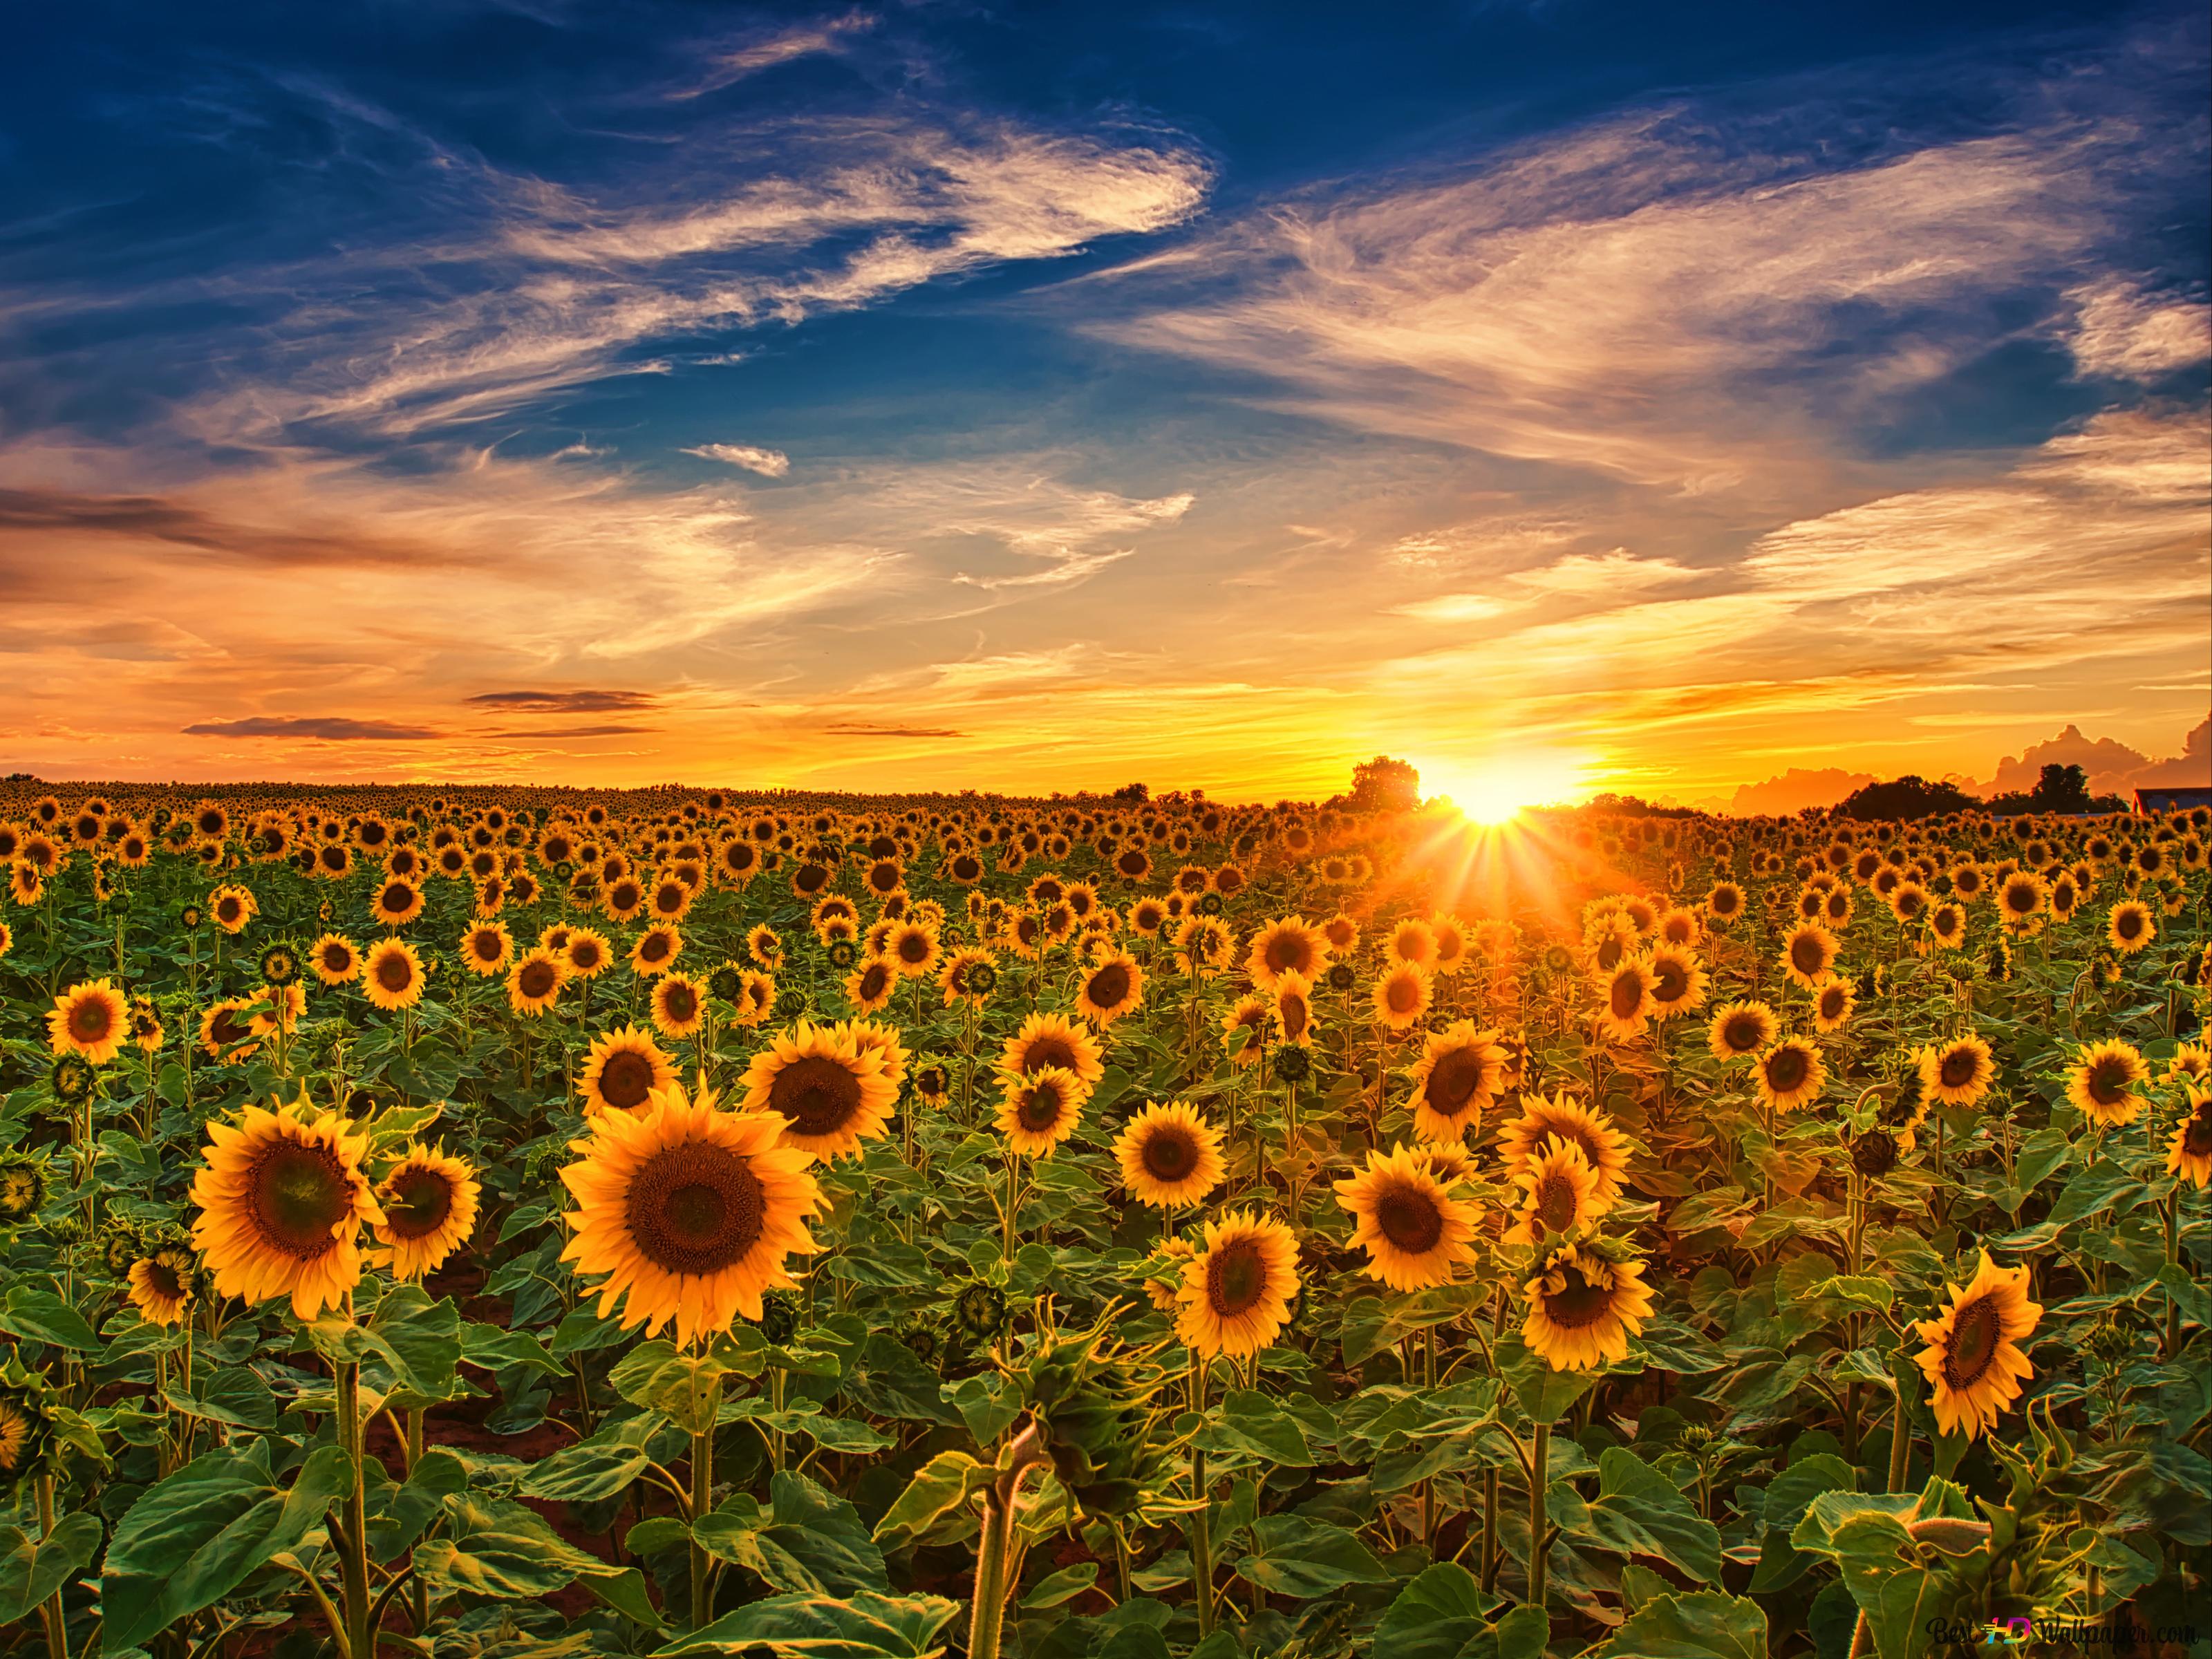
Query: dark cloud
157, 518
564, 703
571, 732
853, 729
328, 728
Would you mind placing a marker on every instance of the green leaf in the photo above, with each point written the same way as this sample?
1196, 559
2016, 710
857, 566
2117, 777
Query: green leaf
191, 1539
940, 1487
39, 1316
32, 1569
1882, 1569
231, 1395
684, 1388
422, 1346
808, 1541
598, 1468
1696, 1625
501, 1549
1639, 1512
1062, 1586
492, 1349
1544, 1395
1292, 1555
863, 1626
1254, 1425
1862, 1291
403, 1512
1439, 1616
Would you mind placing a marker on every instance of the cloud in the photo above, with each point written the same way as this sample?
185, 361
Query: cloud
569, 732
1453, 608
326, 728
729, 67
769, 462
563, 702
850, 729
2122, 332
1612, 575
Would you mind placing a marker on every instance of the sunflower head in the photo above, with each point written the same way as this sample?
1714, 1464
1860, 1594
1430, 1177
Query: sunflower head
1237, 1291
1416, 1234
1041, 1110
1170, 1156
1585, 1300
281, 1198
1093, 1402
1973, 1362
978, 1310
23, 1186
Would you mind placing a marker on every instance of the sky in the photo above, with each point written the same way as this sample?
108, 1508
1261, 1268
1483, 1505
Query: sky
1563, 396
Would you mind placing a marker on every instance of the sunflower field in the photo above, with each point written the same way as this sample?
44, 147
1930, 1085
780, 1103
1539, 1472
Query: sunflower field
526, 1222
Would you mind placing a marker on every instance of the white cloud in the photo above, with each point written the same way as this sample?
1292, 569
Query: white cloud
2122, 333
769, 462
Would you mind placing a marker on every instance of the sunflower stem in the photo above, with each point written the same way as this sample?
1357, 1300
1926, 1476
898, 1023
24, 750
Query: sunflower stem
997, 1560
55, 1616
703, 1501
1540, 1468
1490, 1529
353, 1558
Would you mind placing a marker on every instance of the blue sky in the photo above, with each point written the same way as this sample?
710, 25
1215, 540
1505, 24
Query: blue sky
906, 396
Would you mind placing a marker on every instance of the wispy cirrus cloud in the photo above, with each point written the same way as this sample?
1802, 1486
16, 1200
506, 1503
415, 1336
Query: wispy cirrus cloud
561, 702
769, 462
316, 728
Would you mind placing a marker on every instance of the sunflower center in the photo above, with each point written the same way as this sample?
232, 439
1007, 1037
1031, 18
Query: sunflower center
626, 1079
417, 1202
227, 1027
1627, 995
162, 1278
1405, 994
1785, 1069
816, 1093
1807, 956
394, 972
2108, 1082
1287, 954
2129, 924
2197, 1137
1579, 1302
1040, 1108
1555, 1203
1974, 1344
1674, 981
298, 1196
1109, 985
1169, 1154
90, 1020
536, 980
1831, 1002
1741, 1033
654, 948
1048, 1051
695, 1209
1292, 1013
680, 1003
1609, 954
914, 947
1236, 1278
1454, 1080
1410, 1219
1958, 1068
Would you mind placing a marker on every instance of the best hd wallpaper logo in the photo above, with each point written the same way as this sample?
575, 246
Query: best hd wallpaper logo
1193, 830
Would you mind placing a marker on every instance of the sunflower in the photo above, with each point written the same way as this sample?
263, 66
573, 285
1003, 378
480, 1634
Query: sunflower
2102, 1083
1038, 1111
1627, 1000
146, 1028
832, 1095
679, 1005
1559, 1193
755, 997
623, 1070
1051, 1039
487, 947
1341, 933
281, 1199
225, 1029
392, 975
912, 948
24, 885
765, 945
1808, 955
1958, 1072
1414, 1231
1973, 1362
396, 904
2191, 1065
2131, 928
26, 1429
1111, 988
1584, 1305
232, 908
1286, 946
868, 1037
1678, 983
1170, 1157
1460, 1072
1725, 903
534, 982
1545, 1119
656, 950
1202, 945
1401, 997
1236, 1292
1244, 1031
92, 1019
429, 1201
282, 1007
1790, 1074
2022, 898
869, 986
1831, 1006
691, 1212
1293, 1010
2189, 1152
587, 953
163, 1285
1741, 1029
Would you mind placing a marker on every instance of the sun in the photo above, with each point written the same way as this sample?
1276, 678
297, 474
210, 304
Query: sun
1498, 791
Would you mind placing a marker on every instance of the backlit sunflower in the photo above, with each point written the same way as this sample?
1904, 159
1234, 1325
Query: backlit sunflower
1973, 1361
163, 1285
1236, 1290
392, 975
1293, 1010
534, 982
912, 948
225, 1030
1790, 1074
1725, 903
1808, 955
1052, 1040
2102, 1083
1584, 1303
2022, 898
1341, 933
1626, 1000
2131, 927
429, 1200
1038, 1111
281, 1199
1678, 982
92, 1019
395, 903
623, 1070
2189, 1151
1411, 943
679, 1005
1547, 1118
587, 953
833, 1094
486, 948
1415, 1233
691, 1212
1401, 997
1244, 1031
1559, 1193
656, 950
1831, 1006
1957, 1072
1286, 946
1110, 987
1460, 1072
1170, 1157
1740, 1030
1202, 944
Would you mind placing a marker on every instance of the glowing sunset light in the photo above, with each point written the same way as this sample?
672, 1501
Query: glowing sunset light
1498, 791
